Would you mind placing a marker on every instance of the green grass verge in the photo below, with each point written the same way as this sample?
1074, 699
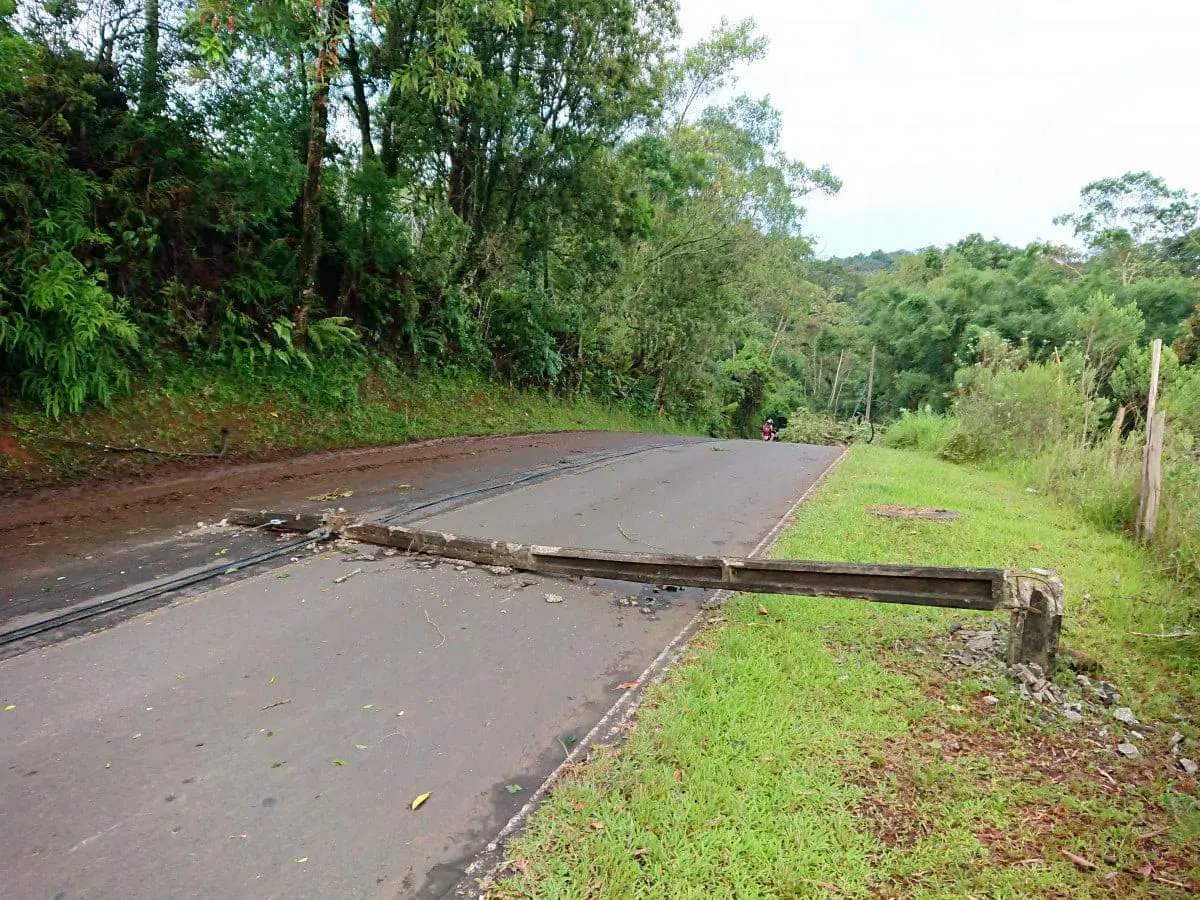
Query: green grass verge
828, 748
293, 412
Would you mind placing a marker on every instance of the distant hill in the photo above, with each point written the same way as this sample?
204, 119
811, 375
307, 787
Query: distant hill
868, 263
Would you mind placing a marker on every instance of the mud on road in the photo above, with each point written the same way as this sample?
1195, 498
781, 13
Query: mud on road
63, 546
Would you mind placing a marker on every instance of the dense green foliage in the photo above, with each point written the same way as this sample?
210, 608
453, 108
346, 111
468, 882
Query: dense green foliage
541, 193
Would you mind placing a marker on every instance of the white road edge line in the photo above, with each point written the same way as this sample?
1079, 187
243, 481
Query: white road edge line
479, 875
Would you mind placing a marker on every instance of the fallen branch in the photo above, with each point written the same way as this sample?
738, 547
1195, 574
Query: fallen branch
1085, 864
126, 448
342, 579
1167, 636
275, 704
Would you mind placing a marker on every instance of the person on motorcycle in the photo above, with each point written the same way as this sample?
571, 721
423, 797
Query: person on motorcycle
768, 430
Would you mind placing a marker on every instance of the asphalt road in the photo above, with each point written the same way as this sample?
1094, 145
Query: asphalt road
265, 738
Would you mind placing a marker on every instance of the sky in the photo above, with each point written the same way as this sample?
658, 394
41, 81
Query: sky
946, 117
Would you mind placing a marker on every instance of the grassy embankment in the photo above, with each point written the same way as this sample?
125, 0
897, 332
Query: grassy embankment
829, 749
282, 415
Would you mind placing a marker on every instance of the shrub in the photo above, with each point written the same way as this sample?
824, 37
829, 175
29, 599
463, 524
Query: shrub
920, 430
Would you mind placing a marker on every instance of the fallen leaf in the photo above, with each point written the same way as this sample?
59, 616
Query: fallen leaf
270, 734
679, 774
368, 706
626, 685
403, 487
1085, 864
360, 746
272, 681
513, 788
333, 495
222, 551
1035, 546
596, 826
284, 575
642, 852
339, 762
420, 800
10, 707
762, 610
276, 765
302, 859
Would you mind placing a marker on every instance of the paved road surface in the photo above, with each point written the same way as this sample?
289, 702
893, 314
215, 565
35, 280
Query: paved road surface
150, 760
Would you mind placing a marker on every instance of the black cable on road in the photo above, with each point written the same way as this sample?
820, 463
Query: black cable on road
228, 568
155, 590
535, 475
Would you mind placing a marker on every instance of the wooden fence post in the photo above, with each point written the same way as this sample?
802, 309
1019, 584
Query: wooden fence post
1036, 620
870, 382
1152, 490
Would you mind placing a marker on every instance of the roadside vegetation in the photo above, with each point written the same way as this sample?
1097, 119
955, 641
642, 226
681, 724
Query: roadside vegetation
829, 748
282, 412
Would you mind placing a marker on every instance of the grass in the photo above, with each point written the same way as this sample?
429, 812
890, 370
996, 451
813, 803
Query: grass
828, 748
290, 413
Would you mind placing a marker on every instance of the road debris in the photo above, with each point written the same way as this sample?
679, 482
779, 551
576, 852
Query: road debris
499, 570
438, 630
332, 495
554, 598
276, 703
347, 576
1034, 685
419, 801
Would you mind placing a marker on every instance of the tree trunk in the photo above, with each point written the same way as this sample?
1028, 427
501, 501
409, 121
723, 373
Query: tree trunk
150, 99
362, 109
310, 209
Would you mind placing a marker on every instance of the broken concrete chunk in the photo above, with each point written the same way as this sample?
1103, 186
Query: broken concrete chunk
1125, 716
499, 570
1107, 692
553, 598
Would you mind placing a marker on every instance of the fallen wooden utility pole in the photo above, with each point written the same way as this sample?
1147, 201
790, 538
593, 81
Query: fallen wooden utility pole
1034, 600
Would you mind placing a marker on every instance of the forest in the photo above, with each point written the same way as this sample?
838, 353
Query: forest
555, 196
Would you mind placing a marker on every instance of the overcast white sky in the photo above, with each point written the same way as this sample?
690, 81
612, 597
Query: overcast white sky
945, 117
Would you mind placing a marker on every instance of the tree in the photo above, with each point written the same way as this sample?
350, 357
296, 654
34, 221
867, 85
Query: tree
1119, 217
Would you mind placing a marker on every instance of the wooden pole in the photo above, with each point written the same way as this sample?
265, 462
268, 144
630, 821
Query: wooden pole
1151, 403
870, 382
1153, 492
836, 378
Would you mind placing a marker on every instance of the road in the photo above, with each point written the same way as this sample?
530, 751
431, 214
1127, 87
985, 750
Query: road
265, 737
